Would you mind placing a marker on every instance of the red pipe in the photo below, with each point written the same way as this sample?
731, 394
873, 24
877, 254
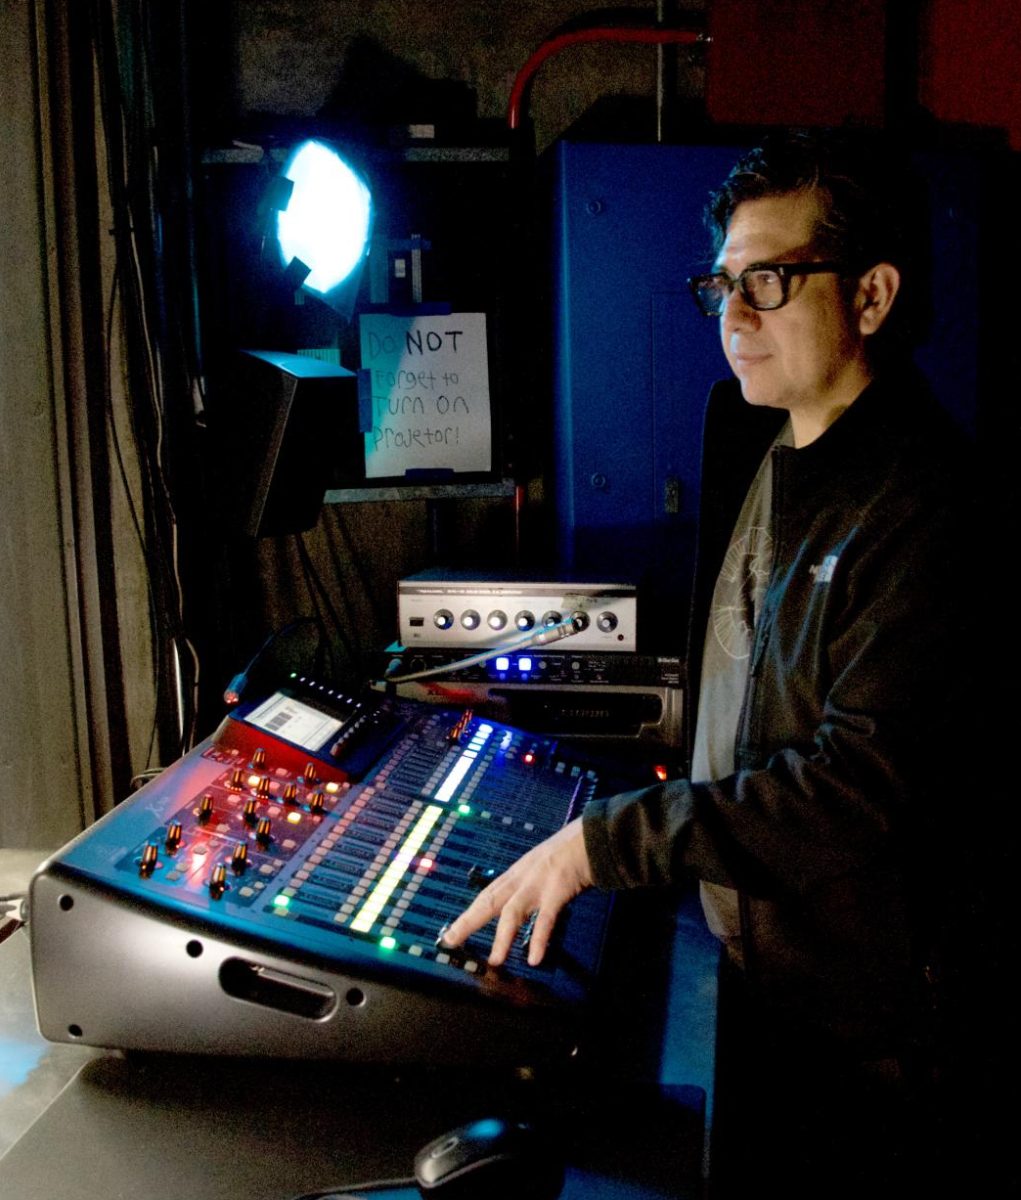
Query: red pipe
649, 37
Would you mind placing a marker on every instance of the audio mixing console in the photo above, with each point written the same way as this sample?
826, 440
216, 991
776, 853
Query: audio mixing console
282, 890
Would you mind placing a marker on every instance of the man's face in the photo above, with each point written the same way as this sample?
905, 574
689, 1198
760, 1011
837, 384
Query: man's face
807, 357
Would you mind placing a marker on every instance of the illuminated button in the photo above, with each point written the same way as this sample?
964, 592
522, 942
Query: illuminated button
173, 838
470, 619
150, 857
525, 664
443, 618
502, 663
497, 619
206, 807
524, 620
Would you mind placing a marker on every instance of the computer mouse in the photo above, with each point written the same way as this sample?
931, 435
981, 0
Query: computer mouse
490, 1159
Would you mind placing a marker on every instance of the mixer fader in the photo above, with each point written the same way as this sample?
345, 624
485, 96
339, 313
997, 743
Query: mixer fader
283, 889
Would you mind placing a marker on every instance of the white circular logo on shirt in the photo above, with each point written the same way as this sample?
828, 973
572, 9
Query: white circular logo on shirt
744, 575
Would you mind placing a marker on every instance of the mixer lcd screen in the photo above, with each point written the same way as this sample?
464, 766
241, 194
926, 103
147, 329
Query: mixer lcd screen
294, 721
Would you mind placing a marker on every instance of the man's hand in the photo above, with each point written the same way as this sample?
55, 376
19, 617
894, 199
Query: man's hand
541, 881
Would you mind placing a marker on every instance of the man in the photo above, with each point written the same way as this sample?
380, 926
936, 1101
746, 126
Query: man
827, 624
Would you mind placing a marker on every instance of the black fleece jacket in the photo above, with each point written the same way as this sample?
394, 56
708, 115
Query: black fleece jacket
830, 825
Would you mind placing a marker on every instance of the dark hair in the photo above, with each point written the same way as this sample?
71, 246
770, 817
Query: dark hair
872, 206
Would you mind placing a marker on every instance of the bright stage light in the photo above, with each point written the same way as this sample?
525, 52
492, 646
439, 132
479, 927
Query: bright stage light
326, 223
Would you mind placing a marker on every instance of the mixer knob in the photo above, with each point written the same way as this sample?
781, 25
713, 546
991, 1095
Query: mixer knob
471, 619
239, 859
262, 831
290, 793
317, 802
206, 807
311, 773
524, 621
218, 883
150, 857
443, 618
250, 813
262, 788
259, 758
173, 838
237, 779
479, 877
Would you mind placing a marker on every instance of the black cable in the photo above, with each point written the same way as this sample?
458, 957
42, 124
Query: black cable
315, 584
234, 690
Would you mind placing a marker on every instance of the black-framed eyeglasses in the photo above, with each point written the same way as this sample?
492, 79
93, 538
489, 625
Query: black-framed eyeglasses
764, 286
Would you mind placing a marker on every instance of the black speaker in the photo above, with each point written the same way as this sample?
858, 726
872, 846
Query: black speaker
287, 427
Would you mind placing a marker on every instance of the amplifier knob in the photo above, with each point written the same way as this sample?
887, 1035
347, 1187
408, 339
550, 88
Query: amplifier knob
524, 620
607, 622
443, 618
580, 621
497, 619
471, 619
552, 618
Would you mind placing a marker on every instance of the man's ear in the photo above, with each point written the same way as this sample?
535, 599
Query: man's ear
877, 289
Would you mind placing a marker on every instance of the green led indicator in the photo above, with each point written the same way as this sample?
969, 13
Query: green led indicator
281, 901
464, 810
388, 943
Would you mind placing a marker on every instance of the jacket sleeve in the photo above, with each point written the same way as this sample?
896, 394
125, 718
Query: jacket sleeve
832, 791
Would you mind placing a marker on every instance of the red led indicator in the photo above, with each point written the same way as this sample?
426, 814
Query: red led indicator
425, 864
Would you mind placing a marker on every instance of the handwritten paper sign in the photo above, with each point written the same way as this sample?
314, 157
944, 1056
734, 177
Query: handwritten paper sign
429, 380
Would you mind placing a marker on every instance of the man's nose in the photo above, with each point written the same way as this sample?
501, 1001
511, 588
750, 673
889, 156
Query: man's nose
738, 313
